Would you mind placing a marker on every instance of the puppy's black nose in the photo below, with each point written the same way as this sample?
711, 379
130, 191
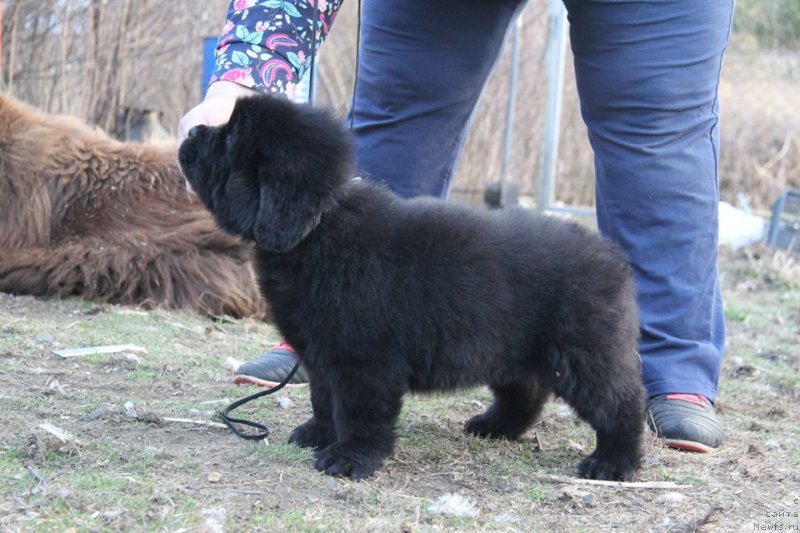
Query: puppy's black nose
193, 132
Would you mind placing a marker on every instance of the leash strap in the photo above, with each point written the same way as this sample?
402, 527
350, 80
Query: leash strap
314, 29
355, 74
232, 422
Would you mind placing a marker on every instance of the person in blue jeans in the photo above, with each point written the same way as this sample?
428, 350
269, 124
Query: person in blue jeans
647, 76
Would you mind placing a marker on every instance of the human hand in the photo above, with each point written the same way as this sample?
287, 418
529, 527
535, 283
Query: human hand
215, 109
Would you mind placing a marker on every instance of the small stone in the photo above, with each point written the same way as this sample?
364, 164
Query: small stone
507, 517
130, 411
94, 415
284, 402
577, 446
132, 358
43, 338
112, 514
454, 505
671, 498
55, 386
214, 477
514, 487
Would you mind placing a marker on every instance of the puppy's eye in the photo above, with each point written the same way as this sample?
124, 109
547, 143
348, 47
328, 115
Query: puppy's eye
194, 132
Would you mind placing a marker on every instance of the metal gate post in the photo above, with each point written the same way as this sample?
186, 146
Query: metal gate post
554, 59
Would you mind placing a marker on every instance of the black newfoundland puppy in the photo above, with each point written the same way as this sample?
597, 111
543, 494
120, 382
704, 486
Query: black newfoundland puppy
381, 295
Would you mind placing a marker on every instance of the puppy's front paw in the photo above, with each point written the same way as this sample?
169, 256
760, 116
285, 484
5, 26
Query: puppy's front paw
608, 467
342, 460
313, 434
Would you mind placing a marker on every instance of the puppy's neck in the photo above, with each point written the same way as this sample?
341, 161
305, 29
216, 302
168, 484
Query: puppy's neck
331, 205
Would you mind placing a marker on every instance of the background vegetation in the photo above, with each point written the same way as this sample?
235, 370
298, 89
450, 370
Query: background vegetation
771, 23
94, 58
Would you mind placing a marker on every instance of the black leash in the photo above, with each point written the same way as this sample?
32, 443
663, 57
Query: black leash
313, 53
231, 422
355, 73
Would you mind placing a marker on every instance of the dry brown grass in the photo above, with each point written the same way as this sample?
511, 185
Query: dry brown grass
157, 65
760, 95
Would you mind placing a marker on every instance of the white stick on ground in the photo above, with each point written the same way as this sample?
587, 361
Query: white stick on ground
657, 485
195, 422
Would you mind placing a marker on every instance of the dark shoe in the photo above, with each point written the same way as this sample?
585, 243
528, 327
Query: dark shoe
685, 421
271, 368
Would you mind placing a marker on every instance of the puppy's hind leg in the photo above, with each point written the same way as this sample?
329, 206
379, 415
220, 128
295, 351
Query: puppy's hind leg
516, 407
611, 399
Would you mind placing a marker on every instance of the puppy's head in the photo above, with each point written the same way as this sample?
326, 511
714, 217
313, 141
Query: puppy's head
270, 173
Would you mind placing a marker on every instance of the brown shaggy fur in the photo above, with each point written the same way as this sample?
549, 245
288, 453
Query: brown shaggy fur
84, 215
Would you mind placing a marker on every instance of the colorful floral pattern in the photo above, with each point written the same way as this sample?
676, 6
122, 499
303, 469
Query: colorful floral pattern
266, 45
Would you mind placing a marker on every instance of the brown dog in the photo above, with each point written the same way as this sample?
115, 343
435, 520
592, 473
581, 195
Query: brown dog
84, 215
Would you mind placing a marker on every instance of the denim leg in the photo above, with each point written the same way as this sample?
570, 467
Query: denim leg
647, 74
422, 66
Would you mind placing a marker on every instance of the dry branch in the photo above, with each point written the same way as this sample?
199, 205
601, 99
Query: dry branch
655, 485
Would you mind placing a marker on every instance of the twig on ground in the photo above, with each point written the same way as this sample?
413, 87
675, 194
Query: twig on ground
91, 350
36, 475
657, 485
233, 486
62, 435
244, 491
194, 422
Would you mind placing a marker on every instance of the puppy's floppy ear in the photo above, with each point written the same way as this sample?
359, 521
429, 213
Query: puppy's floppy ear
302, 156
287, 213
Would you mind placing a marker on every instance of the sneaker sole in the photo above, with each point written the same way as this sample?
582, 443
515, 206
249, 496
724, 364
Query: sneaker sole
243, 379
688, 445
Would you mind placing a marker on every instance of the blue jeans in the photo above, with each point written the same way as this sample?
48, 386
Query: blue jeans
647, 75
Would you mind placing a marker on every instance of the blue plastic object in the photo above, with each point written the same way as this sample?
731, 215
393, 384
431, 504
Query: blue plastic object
209, 47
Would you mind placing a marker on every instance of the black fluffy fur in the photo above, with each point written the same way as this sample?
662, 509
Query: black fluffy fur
381, 295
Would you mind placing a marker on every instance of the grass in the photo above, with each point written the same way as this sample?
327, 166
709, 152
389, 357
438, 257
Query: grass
538, 494
132, 475
281, 453
127, 491
736, 313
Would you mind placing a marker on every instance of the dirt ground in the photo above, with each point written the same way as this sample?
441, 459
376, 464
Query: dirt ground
123, 467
